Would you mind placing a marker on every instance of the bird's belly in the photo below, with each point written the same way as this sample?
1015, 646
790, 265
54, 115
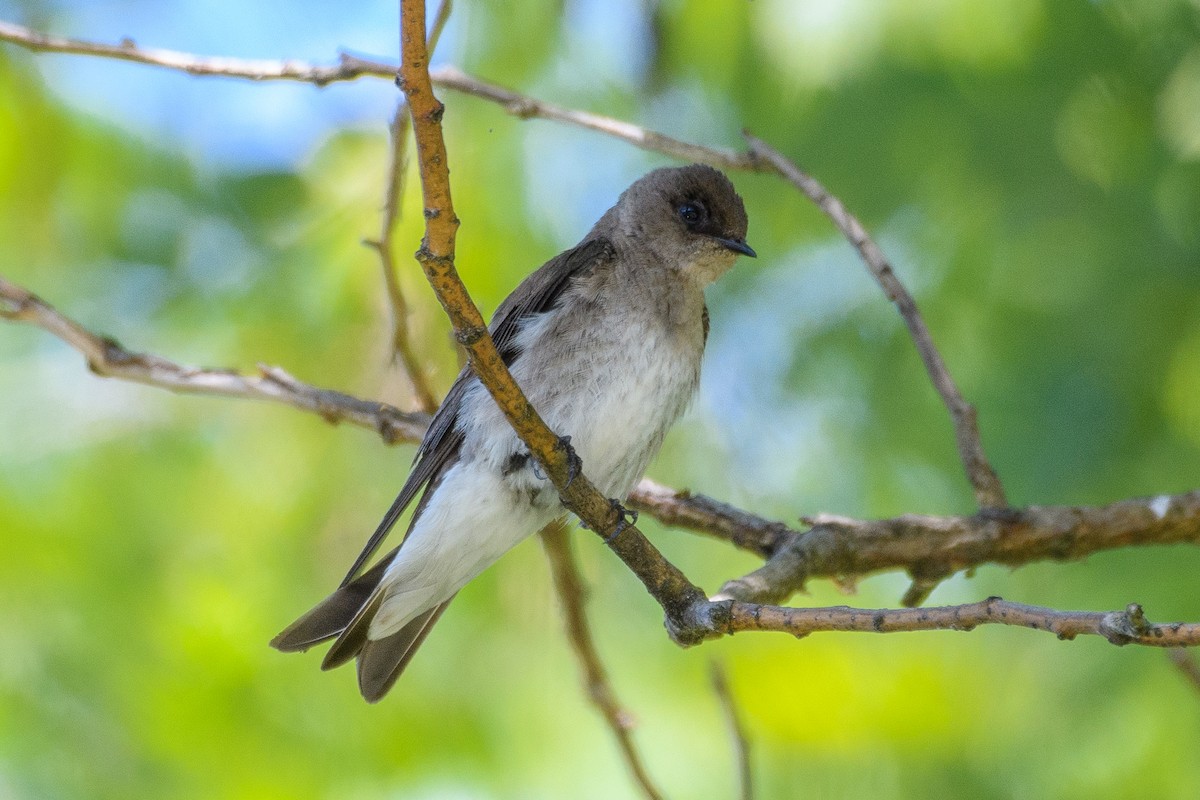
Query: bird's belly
620, 407
615, 393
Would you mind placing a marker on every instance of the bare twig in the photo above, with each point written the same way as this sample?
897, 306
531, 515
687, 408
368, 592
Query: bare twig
737, 732
702, 514
348, 67
106, 357
1186, 663
525, 107
571, 593
989, 492
1118, 627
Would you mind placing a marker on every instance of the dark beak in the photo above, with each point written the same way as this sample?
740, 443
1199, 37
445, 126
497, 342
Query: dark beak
737, 246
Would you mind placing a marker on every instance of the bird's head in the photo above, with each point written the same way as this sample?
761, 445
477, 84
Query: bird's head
690, 217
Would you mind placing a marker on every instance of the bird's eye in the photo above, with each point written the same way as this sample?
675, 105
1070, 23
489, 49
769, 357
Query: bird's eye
692, 213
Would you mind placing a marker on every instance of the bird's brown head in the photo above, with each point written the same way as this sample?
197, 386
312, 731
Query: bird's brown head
691, 217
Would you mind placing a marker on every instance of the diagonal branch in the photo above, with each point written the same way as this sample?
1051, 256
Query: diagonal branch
678, 596
737, 732
569, 584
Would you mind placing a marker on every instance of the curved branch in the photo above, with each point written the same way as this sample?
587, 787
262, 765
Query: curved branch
989, 493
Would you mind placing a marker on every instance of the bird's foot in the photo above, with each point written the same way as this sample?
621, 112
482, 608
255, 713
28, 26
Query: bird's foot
574, 462
625, 519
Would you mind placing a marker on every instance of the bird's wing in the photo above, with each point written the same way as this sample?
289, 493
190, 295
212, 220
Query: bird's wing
539, 292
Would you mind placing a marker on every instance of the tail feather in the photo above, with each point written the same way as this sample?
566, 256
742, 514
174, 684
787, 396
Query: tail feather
353, 638
381, 661
333, 614
346, 615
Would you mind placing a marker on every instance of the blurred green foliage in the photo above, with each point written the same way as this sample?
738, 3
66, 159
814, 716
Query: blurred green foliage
1032, 167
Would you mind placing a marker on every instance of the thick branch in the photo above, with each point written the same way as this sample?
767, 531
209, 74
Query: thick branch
933, 548
569, 585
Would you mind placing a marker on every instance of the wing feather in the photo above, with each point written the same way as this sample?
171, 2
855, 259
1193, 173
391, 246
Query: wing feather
539, 292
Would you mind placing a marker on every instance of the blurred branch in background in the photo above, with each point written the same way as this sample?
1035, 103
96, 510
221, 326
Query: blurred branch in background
571, 592
107, 358
737, 732
989, 493
393, 198
401, 344
1187, 665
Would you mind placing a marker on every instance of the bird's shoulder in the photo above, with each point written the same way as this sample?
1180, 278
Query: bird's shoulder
545, 287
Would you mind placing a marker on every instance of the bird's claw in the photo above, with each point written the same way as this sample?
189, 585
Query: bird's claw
574, 462
626, 518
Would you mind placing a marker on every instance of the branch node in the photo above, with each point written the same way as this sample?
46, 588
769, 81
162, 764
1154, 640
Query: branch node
469, 336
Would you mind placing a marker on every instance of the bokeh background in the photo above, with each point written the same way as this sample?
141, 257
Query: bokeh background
1031, 166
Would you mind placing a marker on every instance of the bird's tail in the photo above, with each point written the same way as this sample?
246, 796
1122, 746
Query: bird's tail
346, 615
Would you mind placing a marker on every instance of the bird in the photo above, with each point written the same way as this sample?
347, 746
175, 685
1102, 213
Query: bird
606, 341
